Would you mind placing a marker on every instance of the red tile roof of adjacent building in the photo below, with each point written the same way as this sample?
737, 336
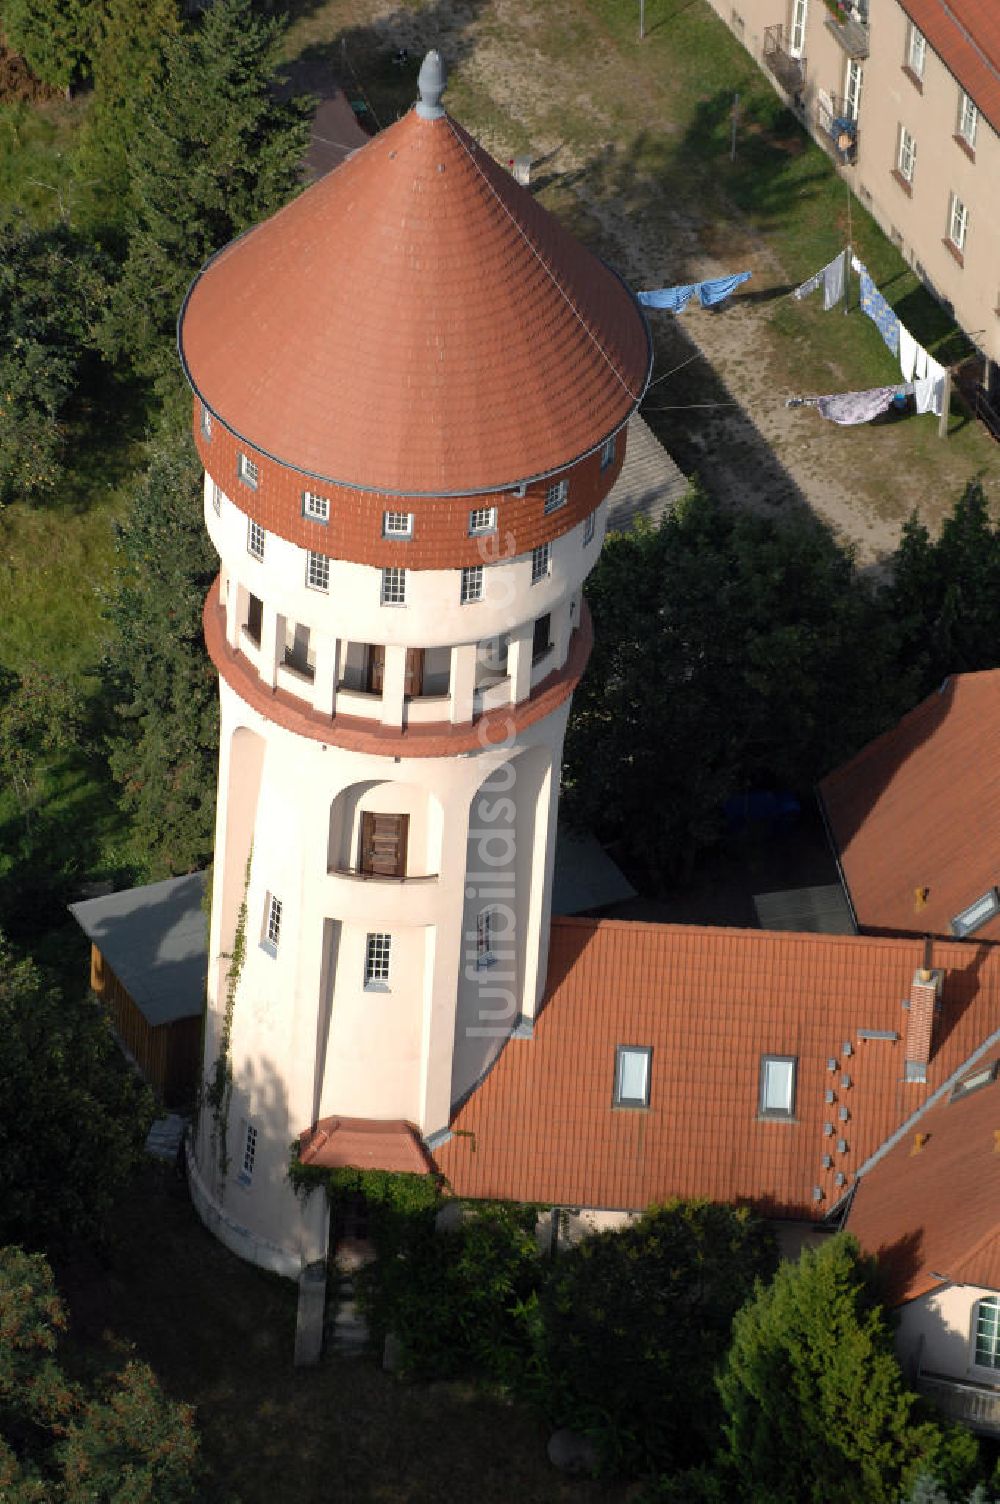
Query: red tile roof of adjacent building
415, 323
931, 1206
364, 1144
916, 814
710, 1003
965, 34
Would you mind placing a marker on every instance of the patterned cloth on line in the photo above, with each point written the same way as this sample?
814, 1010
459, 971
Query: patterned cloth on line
857, 407
878, 310
709, 293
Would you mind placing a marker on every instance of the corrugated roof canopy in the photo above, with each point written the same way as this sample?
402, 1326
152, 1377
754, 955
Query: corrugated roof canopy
415, 323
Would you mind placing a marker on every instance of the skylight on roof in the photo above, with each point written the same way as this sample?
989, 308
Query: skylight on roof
977, 914
975, 1080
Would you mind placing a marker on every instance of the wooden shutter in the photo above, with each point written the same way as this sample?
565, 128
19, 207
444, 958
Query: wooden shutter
376, 668
414, 681
383, 844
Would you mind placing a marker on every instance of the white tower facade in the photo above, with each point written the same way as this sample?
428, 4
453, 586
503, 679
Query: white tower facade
411, 390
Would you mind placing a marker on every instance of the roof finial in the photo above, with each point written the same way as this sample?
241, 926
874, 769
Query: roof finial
431, 81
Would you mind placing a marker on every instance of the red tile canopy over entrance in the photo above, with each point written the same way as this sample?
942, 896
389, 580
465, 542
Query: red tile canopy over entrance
415, 323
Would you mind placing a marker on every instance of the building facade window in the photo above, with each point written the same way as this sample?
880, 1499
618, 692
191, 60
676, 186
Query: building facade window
541, 559
397, 524
272, 924
206, 422
555, 496
632, 1071
317, 571
255, 618
249, 474
249, 1153
777, 1086
906, 157
608, 452
472, 584
916, 51
216, 498
482, 520
589, 529
485, 928
316, 508
377, 951
958, 223
797, 30
853, 79
394, 586
255, 539
968, 119
987, 1332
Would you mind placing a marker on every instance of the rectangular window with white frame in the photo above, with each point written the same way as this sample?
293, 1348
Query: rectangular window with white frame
632, 1073
797, 30
272, 924
916, 51
216, 498
608, 453
248, 472
968, 119
906, 157
378, 947
853, 80
397, 525
317, 571
987, 1333
316, 508
250, 1136
777, 1086
393, 586
541, 562
206, 422
255, 539
589, 529
556, 496
482, 520
958, 223
472, 584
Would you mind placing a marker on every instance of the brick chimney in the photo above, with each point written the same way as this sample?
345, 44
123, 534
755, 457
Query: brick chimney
925, 992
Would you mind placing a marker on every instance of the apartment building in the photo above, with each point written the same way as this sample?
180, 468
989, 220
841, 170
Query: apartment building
905, 96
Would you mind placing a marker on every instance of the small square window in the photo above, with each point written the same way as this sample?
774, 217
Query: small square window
216, 498
249, 1152
958, 223
906, 159
540, 562
482, 520
608, 452
272, 924
777, 1086
255, 539
916, 52
589, 529
206, 422
377, 950
632, 1067
249, 474
397, 524
394, 586
555, 496
316, 508
472, 584
317, 571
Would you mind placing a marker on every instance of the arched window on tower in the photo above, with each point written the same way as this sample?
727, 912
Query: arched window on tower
986, 1332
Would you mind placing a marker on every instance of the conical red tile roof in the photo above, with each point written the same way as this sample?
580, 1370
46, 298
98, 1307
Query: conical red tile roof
415, 322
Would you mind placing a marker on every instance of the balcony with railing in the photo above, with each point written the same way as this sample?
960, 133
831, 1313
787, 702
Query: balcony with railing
974, 1405
835, 122
788, 70
848, 23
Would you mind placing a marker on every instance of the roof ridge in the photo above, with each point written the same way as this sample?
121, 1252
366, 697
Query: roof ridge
866, 941
967, 36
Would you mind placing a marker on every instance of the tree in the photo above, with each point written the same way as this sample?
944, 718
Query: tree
55, 37
730, 652
53, 287
216, 152
814, 1401
74, 1118
632, 1324
40, 713
163, 754
945, 595
126, 1443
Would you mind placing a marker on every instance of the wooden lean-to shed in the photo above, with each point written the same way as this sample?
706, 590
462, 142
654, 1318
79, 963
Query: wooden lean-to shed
148, 962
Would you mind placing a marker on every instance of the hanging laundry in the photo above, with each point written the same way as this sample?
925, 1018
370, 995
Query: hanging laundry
856, 266
929, 391
908, 348
878, 310
832, 278
673, 299
857, 407
920, 366
710, 293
